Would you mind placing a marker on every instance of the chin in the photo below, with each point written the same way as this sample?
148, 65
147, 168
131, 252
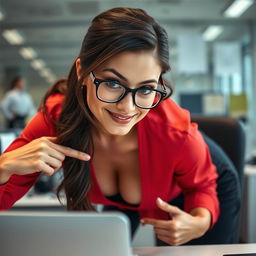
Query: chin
119, 131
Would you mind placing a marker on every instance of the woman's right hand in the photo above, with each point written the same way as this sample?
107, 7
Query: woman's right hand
39, 155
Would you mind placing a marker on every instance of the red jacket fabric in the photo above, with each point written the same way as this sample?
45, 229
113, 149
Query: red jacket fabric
173, 157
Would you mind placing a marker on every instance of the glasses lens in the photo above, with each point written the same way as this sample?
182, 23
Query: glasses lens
110, 91
147, 97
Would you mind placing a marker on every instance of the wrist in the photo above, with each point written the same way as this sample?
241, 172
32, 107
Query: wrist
202, 219
5, 174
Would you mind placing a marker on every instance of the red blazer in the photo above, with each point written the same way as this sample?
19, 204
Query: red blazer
173, 157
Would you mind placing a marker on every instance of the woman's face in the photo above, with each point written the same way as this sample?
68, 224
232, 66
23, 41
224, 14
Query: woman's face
131, 69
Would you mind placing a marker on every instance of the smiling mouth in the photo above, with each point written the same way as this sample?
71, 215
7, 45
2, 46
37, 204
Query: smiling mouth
119, 118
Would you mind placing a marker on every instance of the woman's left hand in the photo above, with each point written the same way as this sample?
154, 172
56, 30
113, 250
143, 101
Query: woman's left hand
182, 227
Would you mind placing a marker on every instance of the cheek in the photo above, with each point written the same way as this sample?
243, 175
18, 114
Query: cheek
91, 99
94, 104
90, 96
143, 113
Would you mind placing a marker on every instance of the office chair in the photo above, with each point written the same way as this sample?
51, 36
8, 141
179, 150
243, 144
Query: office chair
229, 135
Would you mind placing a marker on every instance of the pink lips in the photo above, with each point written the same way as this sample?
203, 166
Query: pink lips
119, 118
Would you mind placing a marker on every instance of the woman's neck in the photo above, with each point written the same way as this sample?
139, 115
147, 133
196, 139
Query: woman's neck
107, 140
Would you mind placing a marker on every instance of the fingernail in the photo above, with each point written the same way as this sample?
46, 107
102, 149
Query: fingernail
87, 157
160, 200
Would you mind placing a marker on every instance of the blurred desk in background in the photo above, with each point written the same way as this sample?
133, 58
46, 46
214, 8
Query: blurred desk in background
44, 202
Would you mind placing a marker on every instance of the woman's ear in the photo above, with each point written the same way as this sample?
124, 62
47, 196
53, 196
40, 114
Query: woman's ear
78, 69
79, 72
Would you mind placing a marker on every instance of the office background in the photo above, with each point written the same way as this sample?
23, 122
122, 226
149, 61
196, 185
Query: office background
212, 55
212, 72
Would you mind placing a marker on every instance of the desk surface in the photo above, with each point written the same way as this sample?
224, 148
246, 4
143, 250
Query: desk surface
206, 250
38, 201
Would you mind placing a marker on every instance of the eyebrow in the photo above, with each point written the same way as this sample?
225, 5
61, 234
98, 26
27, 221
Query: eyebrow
125, 79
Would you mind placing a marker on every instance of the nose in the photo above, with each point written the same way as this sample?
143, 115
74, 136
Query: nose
126, 105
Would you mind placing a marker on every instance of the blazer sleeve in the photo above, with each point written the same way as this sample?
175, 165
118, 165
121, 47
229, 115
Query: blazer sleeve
18, 185
196, 174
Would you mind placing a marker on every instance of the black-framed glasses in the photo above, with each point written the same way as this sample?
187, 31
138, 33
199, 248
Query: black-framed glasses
112, 91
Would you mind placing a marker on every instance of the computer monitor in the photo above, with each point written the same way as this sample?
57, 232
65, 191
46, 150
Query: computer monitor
207, 103
192, 102
214, 104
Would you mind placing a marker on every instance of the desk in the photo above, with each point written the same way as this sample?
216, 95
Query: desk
206, 250
38, 203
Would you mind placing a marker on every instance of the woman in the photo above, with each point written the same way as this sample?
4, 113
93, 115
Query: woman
143, 149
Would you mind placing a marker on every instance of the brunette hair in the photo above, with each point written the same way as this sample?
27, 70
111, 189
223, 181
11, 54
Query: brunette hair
14, 81
111, 32
59, 86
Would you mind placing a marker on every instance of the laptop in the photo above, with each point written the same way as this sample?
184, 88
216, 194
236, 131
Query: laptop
64, 234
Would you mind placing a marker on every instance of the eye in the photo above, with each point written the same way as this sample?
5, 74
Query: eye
146, 90
112, 84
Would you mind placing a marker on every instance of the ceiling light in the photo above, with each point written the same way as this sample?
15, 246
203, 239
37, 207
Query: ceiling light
212, 32
37, 64
13, 36
237, 8
50, 79
48, 75
45, 72
28, 53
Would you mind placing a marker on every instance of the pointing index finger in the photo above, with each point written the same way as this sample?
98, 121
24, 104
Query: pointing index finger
70, 152
154, 222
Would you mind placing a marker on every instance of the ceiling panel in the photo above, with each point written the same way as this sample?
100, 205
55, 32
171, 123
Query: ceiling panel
55, 28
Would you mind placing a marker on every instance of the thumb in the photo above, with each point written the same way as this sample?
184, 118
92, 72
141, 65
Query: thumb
52, 139
172, 210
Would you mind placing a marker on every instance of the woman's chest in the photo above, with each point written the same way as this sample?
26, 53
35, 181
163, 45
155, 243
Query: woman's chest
118, 173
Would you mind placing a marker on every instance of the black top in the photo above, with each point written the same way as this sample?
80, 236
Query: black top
118, 198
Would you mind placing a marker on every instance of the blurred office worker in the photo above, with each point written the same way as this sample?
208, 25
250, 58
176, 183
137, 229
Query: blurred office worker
17, 104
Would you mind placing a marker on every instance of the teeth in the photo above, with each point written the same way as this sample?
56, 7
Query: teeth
122, 118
